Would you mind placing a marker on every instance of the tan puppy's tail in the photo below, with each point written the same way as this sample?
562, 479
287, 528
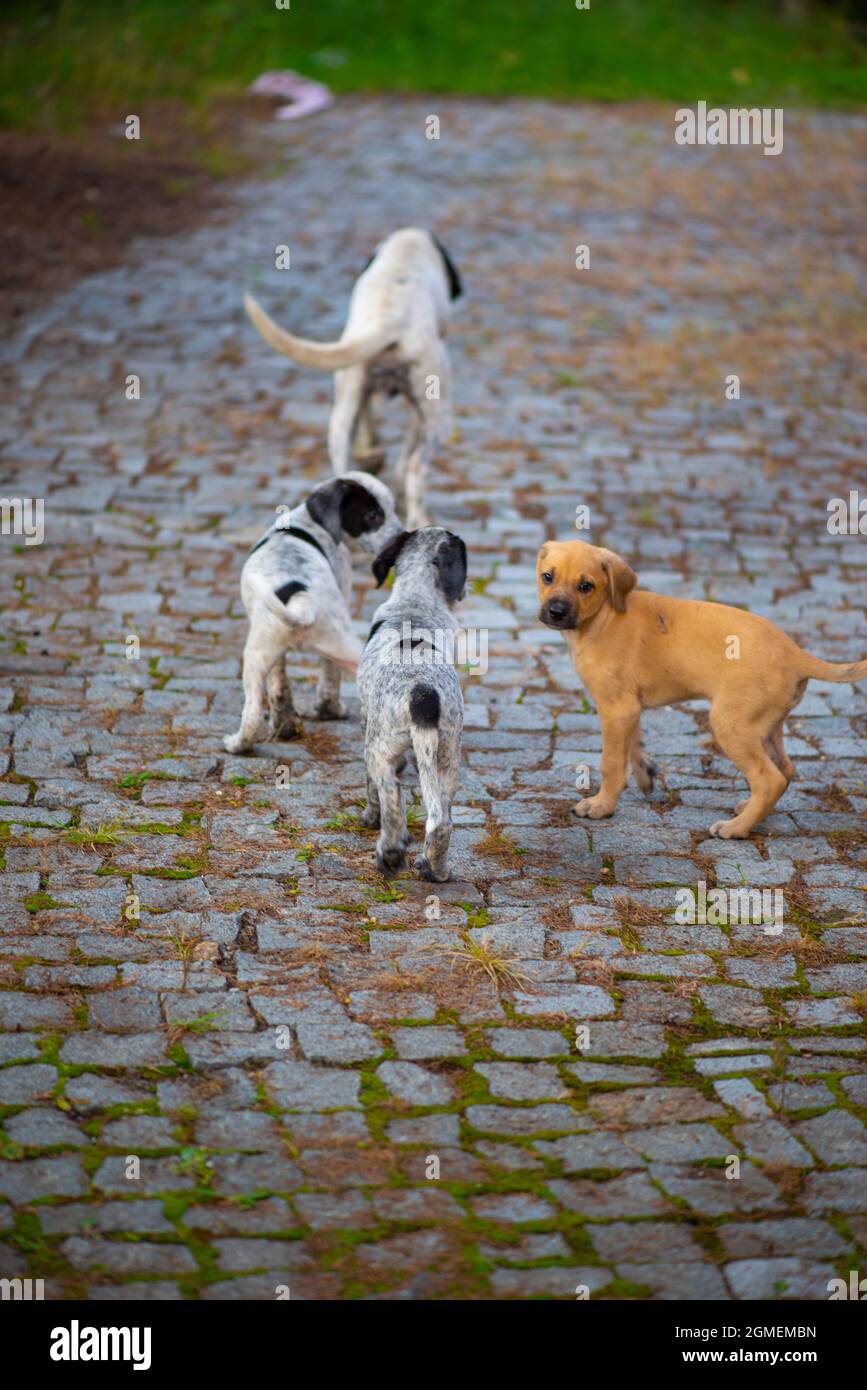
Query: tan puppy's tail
819, 670
329, 357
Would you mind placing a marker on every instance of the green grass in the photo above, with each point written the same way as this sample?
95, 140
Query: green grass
68, 62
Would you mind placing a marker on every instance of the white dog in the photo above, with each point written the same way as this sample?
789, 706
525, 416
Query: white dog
393, 343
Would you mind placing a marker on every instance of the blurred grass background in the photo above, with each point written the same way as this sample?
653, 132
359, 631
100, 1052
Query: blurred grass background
66, 64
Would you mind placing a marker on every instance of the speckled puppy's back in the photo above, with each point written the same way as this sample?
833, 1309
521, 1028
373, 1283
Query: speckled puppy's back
411, 696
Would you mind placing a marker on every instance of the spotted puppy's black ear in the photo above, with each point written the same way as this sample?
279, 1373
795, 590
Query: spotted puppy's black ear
388, 557
359, 510
455, 284
344, 505
451, 565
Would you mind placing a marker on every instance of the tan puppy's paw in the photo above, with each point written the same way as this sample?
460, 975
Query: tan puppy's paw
594, 807
729, 829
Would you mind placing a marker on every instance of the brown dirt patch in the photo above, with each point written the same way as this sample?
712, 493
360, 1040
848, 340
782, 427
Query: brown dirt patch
70, 207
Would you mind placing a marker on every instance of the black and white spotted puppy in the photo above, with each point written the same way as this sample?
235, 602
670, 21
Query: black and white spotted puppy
411, 696
295, 586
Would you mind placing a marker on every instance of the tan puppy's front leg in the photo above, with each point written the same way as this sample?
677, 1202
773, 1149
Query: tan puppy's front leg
619, 725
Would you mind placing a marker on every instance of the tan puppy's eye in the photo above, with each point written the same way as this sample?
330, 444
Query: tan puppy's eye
585, 587
548, 577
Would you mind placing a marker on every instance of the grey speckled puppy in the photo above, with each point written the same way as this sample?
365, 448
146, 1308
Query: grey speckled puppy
411, 696
295, 586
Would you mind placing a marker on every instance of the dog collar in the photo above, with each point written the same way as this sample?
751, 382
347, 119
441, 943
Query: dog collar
298, 534
413, 641
301, 535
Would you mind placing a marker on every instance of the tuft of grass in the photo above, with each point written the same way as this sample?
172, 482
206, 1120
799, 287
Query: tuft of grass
388, 893
499, 966
205, 1023
498, 843
476, 917
342, 820
102, 835
41, 902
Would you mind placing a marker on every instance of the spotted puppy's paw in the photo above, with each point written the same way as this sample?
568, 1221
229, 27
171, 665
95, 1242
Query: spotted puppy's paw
425, 869
233, 743
283, 727
286, 733
390, 860
331, 709
594, 807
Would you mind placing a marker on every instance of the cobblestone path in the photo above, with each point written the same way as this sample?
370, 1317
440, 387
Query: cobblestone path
288, 1045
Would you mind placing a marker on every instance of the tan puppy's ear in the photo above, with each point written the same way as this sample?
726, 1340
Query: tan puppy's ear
621, 579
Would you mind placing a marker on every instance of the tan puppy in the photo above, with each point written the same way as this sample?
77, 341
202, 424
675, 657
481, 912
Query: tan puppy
636, 651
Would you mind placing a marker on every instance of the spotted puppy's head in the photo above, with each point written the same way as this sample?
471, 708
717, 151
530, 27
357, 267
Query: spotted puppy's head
428, 556
356, 508
575, 580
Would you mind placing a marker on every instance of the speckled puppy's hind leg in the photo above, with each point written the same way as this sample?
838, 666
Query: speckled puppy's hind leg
434, 756
282, 719
383, 783
328, 702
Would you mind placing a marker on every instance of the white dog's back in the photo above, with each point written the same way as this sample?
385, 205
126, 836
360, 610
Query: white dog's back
400, 300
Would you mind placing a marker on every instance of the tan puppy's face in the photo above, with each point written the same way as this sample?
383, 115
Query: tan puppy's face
576, 579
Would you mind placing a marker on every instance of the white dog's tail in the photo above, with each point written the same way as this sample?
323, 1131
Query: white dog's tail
424, 713
329, 357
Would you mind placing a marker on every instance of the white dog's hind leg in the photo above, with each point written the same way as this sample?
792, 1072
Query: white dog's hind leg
431, 395
348, 394
369, 453
415, 468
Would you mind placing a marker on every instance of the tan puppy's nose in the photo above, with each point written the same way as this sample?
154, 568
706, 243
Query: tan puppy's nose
556, 612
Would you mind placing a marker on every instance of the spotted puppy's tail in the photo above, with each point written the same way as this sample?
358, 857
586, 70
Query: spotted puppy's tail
291, 603
424, 713
298, 610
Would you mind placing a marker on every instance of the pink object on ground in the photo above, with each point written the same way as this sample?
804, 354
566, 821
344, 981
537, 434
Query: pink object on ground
305, 96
